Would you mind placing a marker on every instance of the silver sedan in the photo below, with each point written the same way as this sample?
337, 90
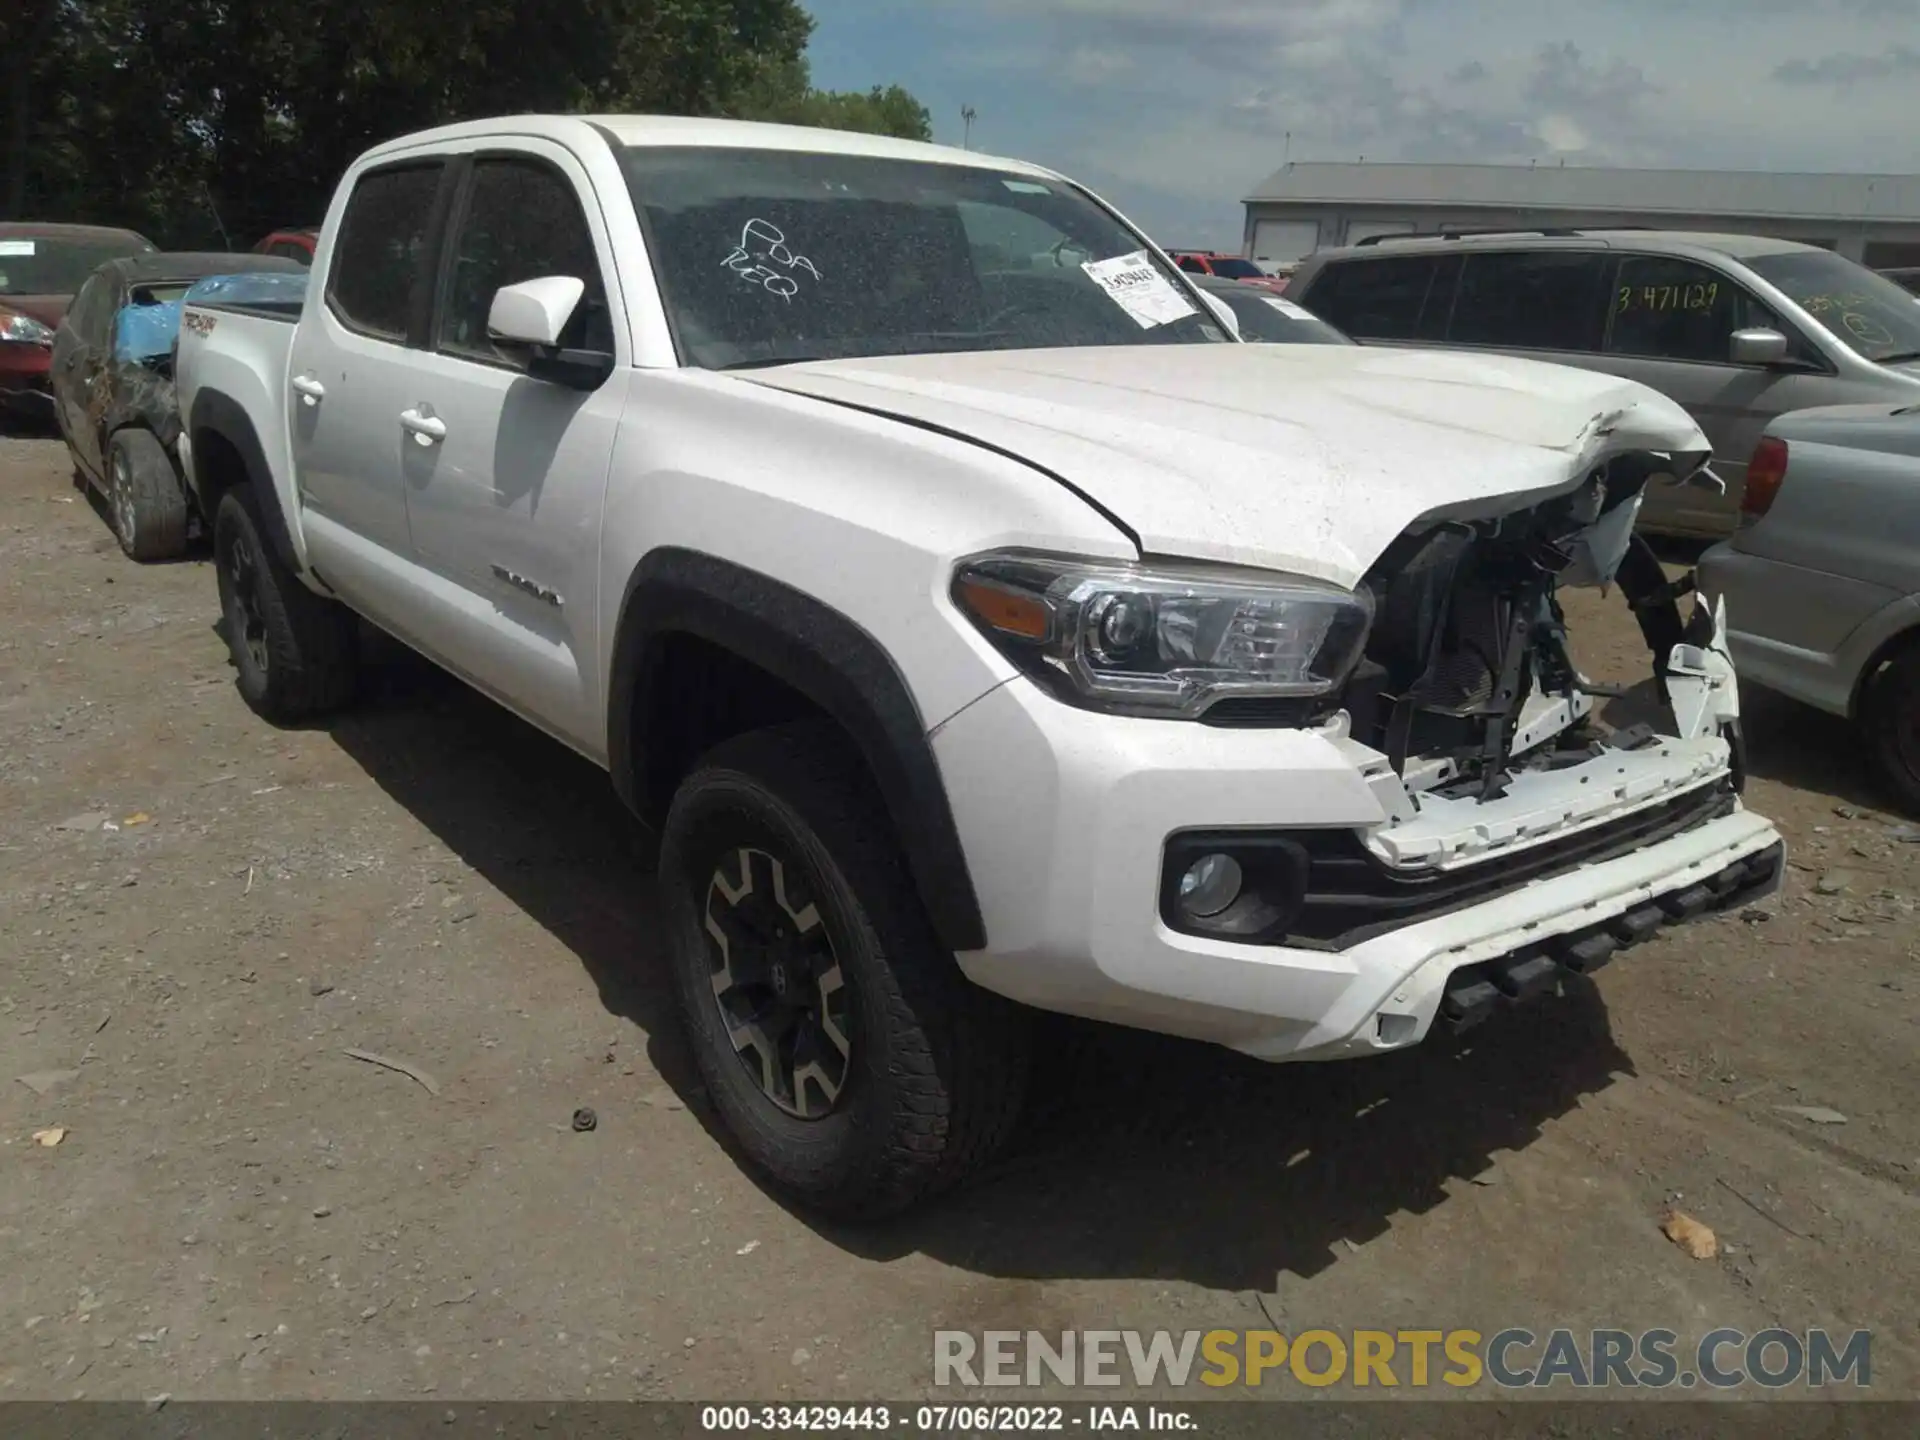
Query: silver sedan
1822, 579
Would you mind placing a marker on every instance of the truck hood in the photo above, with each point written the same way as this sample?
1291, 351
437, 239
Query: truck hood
1304, 458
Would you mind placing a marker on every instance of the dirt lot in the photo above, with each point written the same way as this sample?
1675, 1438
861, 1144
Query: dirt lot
200, 915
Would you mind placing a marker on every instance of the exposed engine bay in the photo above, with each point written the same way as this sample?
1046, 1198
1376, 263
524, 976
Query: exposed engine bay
1468, 681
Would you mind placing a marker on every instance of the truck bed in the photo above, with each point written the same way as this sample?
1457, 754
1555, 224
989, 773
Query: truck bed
237, 343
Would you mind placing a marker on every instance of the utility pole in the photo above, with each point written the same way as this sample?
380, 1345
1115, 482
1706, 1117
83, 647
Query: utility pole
967, 114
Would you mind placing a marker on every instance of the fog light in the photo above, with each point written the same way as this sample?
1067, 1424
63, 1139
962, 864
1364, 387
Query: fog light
1210, 885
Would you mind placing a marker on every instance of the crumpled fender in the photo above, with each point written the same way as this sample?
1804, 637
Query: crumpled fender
1701, 685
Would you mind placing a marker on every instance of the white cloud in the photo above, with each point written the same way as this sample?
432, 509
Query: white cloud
1178, 108
1096, 64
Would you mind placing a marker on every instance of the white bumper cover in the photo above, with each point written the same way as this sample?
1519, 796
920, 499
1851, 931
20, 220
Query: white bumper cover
1066, 815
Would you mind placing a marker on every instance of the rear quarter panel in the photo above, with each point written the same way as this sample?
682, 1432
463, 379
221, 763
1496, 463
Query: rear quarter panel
242, 359
1845, 511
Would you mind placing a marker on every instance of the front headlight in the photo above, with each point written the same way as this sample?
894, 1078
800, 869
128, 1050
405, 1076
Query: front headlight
1163, 640
24, 329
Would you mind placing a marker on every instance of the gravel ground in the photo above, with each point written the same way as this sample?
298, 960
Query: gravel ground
201, 916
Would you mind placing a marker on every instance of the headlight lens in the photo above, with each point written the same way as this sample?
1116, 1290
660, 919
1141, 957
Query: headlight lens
1162, 639
24, 329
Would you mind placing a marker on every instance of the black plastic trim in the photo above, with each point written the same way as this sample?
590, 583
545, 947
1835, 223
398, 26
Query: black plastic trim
819, 653
218, 414
1352, 897
1475, 992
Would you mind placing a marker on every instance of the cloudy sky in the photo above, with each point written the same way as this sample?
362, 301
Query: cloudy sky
1175, 109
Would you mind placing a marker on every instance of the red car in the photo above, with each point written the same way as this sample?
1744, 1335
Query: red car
1227, 267
41, 267
289, 245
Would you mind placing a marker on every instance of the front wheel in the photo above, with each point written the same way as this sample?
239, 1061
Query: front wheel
852, 1061
1890, 719
293, 651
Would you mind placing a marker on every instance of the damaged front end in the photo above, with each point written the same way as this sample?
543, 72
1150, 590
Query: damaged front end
1469, 693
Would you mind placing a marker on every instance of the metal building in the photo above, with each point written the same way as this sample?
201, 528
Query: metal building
1308, 206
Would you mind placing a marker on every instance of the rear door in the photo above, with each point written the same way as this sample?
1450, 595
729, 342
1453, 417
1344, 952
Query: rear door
1396, 299
353, 357
1544, 304
1670, 324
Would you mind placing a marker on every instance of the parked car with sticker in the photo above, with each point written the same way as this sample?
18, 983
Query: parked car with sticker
1824, 575
113, 390
982, 626
41, 267
1737, 328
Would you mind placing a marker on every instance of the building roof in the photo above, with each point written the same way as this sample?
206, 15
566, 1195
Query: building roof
1589, 188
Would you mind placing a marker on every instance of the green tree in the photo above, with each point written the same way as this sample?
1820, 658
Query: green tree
209, 122
785, 94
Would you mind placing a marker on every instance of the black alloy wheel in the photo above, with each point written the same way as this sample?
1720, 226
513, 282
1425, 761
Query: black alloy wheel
777, 982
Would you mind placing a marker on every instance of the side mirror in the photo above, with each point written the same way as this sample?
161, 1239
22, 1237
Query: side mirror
1222, 312
535, 312
529, 318
1758, 347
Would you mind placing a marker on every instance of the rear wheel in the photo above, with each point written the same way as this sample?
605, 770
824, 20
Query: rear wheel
1890, 719
294, 651
852, 1061
145, 498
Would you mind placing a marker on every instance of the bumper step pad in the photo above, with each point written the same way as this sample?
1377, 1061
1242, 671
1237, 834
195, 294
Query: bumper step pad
1476, 991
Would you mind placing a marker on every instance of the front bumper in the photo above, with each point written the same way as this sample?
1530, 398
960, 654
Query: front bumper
26, 383
1065, 816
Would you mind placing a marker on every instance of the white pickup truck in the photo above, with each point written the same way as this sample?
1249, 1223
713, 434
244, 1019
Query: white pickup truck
980, 623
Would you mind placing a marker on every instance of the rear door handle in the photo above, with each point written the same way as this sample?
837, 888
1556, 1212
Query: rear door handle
427, 428
311, 390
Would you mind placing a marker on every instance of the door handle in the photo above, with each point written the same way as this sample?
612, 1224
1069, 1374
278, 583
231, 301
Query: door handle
426, 428
310, 389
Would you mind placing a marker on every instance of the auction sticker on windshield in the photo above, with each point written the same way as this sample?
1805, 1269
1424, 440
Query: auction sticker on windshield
16, 247
1288, 308
1139, 289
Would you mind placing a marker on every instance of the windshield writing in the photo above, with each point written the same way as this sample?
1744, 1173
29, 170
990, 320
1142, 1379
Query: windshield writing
768, 257
1866, 312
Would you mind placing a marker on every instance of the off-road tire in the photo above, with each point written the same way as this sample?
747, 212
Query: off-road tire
1890, 723
937, 1067
294, 652
145, 500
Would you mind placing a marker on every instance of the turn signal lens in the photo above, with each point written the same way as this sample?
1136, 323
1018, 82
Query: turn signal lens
1004, 610
1765, 473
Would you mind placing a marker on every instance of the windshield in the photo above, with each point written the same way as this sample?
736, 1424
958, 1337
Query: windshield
1267, 319
1866, 312
38, 266
766, 257
1234, 269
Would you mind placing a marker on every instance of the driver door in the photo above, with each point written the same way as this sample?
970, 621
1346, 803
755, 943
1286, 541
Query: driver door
506, 475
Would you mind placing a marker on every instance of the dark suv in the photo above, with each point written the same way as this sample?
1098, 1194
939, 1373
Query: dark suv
1737, 328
